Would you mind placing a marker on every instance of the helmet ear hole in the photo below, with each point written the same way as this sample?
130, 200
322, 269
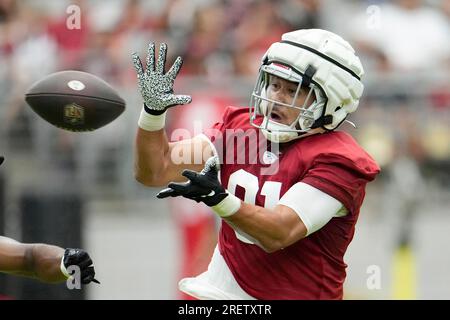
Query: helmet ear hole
337, 108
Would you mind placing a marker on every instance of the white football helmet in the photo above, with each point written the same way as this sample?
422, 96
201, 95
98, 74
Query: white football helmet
316, 59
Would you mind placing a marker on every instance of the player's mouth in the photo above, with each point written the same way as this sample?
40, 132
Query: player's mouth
277, 116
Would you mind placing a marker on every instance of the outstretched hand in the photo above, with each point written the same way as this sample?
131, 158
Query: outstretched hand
156, 87
201, 187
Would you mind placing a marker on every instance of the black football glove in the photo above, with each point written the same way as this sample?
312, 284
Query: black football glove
80, 258
201, 187
156, 87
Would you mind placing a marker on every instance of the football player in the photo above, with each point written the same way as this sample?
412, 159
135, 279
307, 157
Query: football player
283, 234
44, 262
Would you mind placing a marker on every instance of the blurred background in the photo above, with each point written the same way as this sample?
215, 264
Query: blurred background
78, 189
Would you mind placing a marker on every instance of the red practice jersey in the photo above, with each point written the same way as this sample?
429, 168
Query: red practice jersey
333, 162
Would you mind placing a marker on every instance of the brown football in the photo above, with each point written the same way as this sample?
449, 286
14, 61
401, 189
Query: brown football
75, 101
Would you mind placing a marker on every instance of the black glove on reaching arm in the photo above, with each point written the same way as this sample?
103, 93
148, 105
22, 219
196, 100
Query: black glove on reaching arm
204, 187
80, 258
201, 187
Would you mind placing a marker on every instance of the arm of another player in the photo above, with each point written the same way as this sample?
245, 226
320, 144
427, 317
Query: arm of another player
154, 155
43, 261
32, 260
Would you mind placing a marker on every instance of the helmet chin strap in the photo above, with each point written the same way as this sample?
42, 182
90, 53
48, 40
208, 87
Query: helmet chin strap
351, 123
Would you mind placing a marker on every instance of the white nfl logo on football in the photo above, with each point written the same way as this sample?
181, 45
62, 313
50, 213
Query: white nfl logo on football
76, 85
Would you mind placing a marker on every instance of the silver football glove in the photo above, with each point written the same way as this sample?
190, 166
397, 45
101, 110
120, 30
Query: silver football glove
156, 87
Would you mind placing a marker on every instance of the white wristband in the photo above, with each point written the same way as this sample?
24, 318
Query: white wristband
151, 122
63, 269
228, 206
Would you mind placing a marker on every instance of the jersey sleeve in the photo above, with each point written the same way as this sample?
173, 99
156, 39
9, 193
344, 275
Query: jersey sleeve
340, 178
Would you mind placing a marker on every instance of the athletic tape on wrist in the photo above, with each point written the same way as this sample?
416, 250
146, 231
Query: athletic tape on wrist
151, 122
228, 206
63, 269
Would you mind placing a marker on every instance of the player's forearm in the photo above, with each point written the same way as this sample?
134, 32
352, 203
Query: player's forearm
12, 256
38, 261
270, 229
151, 152
43, 261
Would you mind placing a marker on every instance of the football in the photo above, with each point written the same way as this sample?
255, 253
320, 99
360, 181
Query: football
75, 101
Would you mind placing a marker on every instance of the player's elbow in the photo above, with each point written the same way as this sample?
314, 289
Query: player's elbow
279, 242
271, 246
286, 233
269, 250
146, 179
142, 179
